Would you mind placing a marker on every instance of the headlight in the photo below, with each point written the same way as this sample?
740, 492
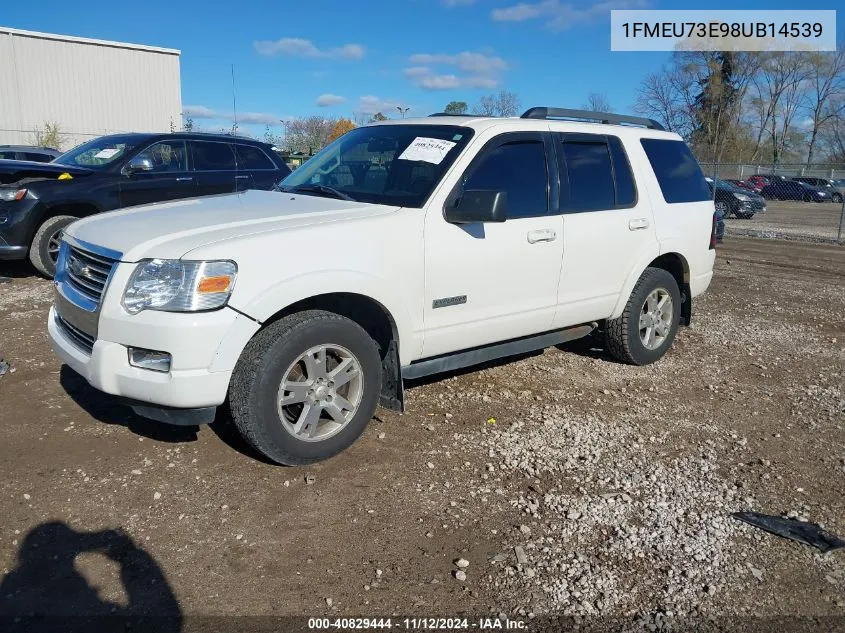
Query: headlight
172, 285
742, 197
9, 195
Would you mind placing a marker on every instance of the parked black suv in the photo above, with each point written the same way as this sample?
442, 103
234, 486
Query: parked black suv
122, 171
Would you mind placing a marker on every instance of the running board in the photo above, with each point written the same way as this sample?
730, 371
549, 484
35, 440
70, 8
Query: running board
479, 355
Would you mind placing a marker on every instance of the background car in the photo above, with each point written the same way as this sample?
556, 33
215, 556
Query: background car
122, 170
757, 182
29, 153
732, 200
741, 184
785, 189
823, 184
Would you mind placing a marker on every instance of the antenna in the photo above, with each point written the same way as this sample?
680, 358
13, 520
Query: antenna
234, 104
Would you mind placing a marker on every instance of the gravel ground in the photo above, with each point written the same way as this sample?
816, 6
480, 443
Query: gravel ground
557, 484
808, 221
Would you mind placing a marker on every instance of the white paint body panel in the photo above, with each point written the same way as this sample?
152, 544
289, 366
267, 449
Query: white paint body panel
292, 247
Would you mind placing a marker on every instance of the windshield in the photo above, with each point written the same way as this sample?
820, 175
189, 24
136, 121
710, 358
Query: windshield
98, 153
383, 164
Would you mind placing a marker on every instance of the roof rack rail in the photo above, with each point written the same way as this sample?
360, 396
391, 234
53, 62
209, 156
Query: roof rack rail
589, 116
451, 114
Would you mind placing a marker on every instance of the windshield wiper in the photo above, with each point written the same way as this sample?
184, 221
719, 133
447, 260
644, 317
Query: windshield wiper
324, 189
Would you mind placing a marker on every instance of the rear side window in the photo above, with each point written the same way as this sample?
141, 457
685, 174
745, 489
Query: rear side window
598, 174
209, 156
39, 158
519, 169
7, 155
677, 171
251, 157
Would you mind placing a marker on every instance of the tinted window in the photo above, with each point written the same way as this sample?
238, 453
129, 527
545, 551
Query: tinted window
677, 171
519, 169
7, 155
626, 190
590, 176
40, 158
251, 157
166, 156
209, 156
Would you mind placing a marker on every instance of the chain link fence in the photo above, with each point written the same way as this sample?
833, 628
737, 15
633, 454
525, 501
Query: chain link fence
784, 201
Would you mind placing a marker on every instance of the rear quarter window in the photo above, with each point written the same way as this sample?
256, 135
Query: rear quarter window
677, 171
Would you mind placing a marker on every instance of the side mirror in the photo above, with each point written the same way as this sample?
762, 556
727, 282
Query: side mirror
478, 206
138, 163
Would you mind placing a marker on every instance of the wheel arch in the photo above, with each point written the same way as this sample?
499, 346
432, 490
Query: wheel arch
375, 318
672, 262
75, 209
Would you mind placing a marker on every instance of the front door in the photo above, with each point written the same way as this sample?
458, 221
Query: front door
169, 178
488, 282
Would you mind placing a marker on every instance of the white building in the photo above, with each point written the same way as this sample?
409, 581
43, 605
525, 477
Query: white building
88, 87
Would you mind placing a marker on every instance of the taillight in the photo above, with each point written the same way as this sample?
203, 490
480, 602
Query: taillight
713, 234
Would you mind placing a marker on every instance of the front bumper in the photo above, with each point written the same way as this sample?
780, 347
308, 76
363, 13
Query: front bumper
17, 226
206, 350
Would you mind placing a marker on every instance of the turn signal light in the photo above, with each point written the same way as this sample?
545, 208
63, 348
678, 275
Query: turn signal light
210, 285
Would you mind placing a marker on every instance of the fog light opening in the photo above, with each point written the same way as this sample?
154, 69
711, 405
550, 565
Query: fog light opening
150, 359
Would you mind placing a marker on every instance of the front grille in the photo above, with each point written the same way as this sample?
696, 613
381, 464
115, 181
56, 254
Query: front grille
88, 273
83, 341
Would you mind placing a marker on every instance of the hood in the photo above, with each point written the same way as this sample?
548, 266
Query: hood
15, 170
169, 230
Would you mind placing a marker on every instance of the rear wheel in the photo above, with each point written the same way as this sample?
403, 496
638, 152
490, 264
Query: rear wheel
44, 250
837, 197
649, 323
306, 387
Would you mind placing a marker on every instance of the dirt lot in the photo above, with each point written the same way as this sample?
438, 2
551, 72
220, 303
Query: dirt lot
614, 484
791, 220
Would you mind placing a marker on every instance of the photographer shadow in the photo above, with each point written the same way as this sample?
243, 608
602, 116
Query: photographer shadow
47, 592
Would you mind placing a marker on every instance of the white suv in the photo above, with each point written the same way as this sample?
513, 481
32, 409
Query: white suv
402, 249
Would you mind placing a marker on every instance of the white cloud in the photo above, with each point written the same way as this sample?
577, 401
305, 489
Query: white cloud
562, 15
200, 112
327, 99
204, 112
478, 70
299, 47
371, 104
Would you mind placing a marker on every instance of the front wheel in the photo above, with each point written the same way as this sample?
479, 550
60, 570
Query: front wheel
44, 250
837, 197
649, 322
306, 387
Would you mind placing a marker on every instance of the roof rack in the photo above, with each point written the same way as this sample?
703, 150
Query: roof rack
589, 116
453, 114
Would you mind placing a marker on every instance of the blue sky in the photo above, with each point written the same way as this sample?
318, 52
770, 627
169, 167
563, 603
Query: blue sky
295, 58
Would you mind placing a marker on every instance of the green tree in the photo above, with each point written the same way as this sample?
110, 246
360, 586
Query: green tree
456, 107
378, 116
189, 124
48, 136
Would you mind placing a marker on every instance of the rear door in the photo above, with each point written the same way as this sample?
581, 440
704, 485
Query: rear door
214, 165
169, 179
607, 224
255, 169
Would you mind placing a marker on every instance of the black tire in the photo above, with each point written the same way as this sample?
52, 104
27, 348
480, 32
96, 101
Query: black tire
837, 197
622, 335
40, 250
254, 388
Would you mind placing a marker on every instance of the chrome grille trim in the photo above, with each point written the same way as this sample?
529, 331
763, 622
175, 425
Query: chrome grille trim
82, 340
87, 273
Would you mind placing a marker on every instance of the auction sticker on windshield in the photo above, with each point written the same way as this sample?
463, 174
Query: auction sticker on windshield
429, 150
106, 153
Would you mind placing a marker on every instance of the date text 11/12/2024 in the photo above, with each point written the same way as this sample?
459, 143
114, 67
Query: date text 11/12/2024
417, 624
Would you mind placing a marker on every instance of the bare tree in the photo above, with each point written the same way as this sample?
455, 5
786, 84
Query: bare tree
597, 102
668, 97
308, 134
505, 103
826, 80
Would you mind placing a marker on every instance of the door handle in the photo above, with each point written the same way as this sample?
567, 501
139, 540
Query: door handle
638, 224
184, 179
543, 235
